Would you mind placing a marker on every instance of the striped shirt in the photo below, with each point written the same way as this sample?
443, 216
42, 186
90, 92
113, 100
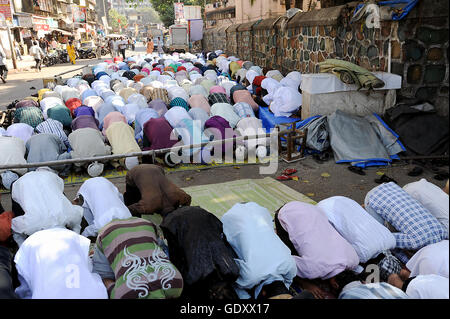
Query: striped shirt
380, 290
160, 94
30, 115
53, 127
142, 269
217, 98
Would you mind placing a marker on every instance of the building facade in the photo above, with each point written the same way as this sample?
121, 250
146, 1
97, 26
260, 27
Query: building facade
57, 19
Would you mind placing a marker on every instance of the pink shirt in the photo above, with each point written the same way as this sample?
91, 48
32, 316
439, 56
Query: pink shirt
217, 89
323, 253
198, 100
111, 118
245, 96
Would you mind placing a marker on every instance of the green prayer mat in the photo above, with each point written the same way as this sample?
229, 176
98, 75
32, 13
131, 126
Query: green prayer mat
219, 198
267, 192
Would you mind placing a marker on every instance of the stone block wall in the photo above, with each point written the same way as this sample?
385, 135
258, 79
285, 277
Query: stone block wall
419, 46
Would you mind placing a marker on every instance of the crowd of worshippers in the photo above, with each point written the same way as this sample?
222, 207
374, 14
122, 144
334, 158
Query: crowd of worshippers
105, 244
146, 103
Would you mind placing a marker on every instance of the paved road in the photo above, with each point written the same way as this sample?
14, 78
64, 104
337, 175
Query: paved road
26, 81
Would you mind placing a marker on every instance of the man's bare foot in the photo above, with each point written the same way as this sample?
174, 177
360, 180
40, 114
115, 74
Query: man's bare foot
404, 274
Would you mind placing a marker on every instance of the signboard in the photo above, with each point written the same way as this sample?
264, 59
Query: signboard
25, 22
79, 14
192, 12
40, 24
26, 33
5, 11
52, 23
179, 10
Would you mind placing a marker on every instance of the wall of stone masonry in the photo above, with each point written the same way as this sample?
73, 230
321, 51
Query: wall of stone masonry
419, 46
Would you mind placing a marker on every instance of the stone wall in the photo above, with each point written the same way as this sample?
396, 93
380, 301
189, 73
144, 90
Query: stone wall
419, 46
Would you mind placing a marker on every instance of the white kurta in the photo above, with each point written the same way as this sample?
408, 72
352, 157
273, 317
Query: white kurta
430, 260
40, 194
432, 198
104, 201
54, 264
367, 236
428, 287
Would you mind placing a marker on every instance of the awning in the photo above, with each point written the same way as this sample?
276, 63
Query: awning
62, 31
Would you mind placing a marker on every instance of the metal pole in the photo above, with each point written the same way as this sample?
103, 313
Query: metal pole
13, 53
134, 154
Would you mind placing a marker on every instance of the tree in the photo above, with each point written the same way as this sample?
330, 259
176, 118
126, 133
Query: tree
117, 20
165, 8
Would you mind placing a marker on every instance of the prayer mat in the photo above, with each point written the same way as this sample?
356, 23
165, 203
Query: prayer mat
267, 192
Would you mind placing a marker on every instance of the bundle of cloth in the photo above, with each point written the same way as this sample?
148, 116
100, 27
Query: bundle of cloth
351, 73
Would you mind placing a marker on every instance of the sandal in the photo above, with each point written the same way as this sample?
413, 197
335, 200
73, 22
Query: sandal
357, 170
416, 171
289, 171
287, 178
442, 176
385, 179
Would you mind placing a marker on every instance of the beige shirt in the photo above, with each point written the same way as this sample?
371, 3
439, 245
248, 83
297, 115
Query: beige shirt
88, 142
121, 138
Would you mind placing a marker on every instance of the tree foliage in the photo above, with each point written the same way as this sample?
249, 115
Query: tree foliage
165, 8
117, 20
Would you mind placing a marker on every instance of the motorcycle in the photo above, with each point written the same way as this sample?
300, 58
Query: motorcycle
63, 57
86, 53
51, 58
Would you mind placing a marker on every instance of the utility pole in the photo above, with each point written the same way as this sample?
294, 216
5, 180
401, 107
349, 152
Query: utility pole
11, 46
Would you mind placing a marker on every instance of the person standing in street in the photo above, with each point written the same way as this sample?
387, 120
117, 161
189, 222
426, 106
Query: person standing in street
111, 47
17, 49
3, 68
38, 54
150, 45
122, 47
116, 47
160, 46
71, 52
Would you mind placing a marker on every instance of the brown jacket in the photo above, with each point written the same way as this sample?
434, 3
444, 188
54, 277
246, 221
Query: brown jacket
157, 193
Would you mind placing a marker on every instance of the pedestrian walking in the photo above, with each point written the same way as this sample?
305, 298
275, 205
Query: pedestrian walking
150, 45
160, 46
71, 52
17, 49
38, 54
122, 47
